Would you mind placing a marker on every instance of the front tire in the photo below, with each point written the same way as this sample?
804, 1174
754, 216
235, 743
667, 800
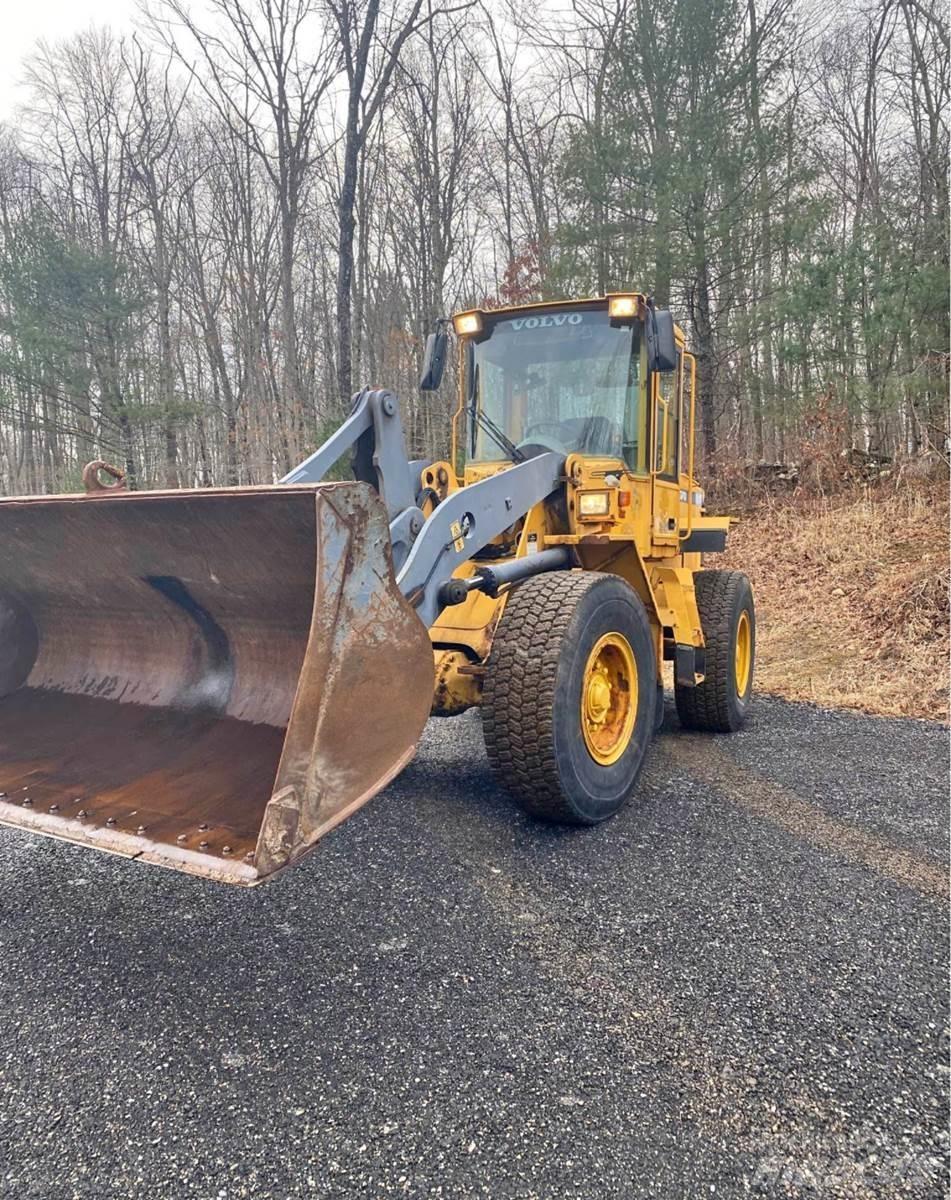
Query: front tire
720, 704
570, 695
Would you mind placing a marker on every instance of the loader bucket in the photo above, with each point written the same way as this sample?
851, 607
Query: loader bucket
207, 680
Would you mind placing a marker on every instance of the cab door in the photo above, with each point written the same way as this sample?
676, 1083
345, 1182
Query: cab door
667, 407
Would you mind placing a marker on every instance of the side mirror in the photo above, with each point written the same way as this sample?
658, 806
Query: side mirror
661, 345
434, 360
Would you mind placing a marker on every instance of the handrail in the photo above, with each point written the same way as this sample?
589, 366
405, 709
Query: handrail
692, 434
454, 427
653, 415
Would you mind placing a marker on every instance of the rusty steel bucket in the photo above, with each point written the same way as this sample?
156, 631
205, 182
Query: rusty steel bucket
207, 680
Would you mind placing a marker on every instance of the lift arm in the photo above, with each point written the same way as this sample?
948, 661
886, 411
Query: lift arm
426, 552
466, 521
374, 432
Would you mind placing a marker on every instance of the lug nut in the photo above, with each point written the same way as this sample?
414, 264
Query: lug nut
181, 837
110, 820
202, 845
140, 829
54, 808
81, 814
225, 849
27, 801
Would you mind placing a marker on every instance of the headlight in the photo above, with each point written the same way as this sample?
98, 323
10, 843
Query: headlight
622, 308
467, 323
594, 504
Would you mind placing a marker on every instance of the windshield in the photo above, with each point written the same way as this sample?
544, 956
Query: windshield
566, 380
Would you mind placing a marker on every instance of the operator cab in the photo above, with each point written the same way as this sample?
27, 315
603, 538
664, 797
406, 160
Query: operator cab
566, 380
564, 377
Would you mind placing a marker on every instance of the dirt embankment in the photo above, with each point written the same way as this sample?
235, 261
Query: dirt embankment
852, 599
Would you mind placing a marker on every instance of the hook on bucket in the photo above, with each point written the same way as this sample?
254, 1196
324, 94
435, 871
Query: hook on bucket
94, 485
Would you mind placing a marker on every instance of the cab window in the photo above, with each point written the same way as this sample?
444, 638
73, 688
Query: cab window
568, 380
668, 388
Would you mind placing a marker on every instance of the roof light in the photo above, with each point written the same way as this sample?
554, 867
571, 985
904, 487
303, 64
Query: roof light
470, 322
622, 308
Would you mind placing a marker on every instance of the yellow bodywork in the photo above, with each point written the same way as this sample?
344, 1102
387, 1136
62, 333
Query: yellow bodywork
632, 522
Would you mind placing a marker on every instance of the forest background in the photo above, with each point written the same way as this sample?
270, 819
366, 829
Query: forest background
214, 230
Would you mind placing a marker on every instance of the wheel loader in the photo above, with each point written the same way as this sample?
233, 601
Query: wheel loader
211, 679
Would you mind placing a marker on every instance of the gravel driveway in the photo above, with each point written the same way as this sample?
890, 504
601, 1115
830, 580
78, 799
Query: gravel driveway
737, 987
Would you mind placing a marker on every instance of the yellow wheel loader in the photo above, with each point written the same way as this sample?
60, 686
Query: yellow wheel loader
212, 679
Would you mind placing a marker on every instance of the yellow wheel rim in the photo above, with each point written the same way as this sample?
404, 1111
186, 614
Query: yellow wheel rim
743, 655
609, 698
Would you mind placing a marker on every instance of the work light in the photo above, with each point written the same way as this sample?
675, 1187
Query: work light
470, 322
622, 308
594, 504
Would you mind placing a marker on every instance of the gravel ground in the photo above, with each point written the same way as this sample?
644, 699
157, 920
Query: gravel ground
737, 987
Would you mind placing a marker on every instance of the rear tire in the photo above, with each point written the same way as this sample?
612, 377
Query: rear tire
720, 704
570, 695
659, 713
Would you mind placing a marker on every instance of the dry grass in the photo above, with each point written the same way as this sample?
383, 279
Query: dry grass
852, 600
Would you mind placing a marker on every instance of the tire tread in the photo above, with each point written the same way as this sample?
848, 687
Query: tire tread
519, 690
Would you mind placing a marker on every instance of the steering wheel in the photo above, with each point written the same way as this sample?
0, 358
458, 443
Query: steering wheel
544, 435
553, 429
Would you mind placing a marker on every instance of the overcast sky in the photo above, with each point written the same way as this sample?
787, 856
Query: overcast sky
26, 21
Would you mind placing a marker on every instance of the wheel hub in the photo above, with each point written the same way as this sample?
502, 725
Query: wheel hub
743, 654
598, 698
609, 698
